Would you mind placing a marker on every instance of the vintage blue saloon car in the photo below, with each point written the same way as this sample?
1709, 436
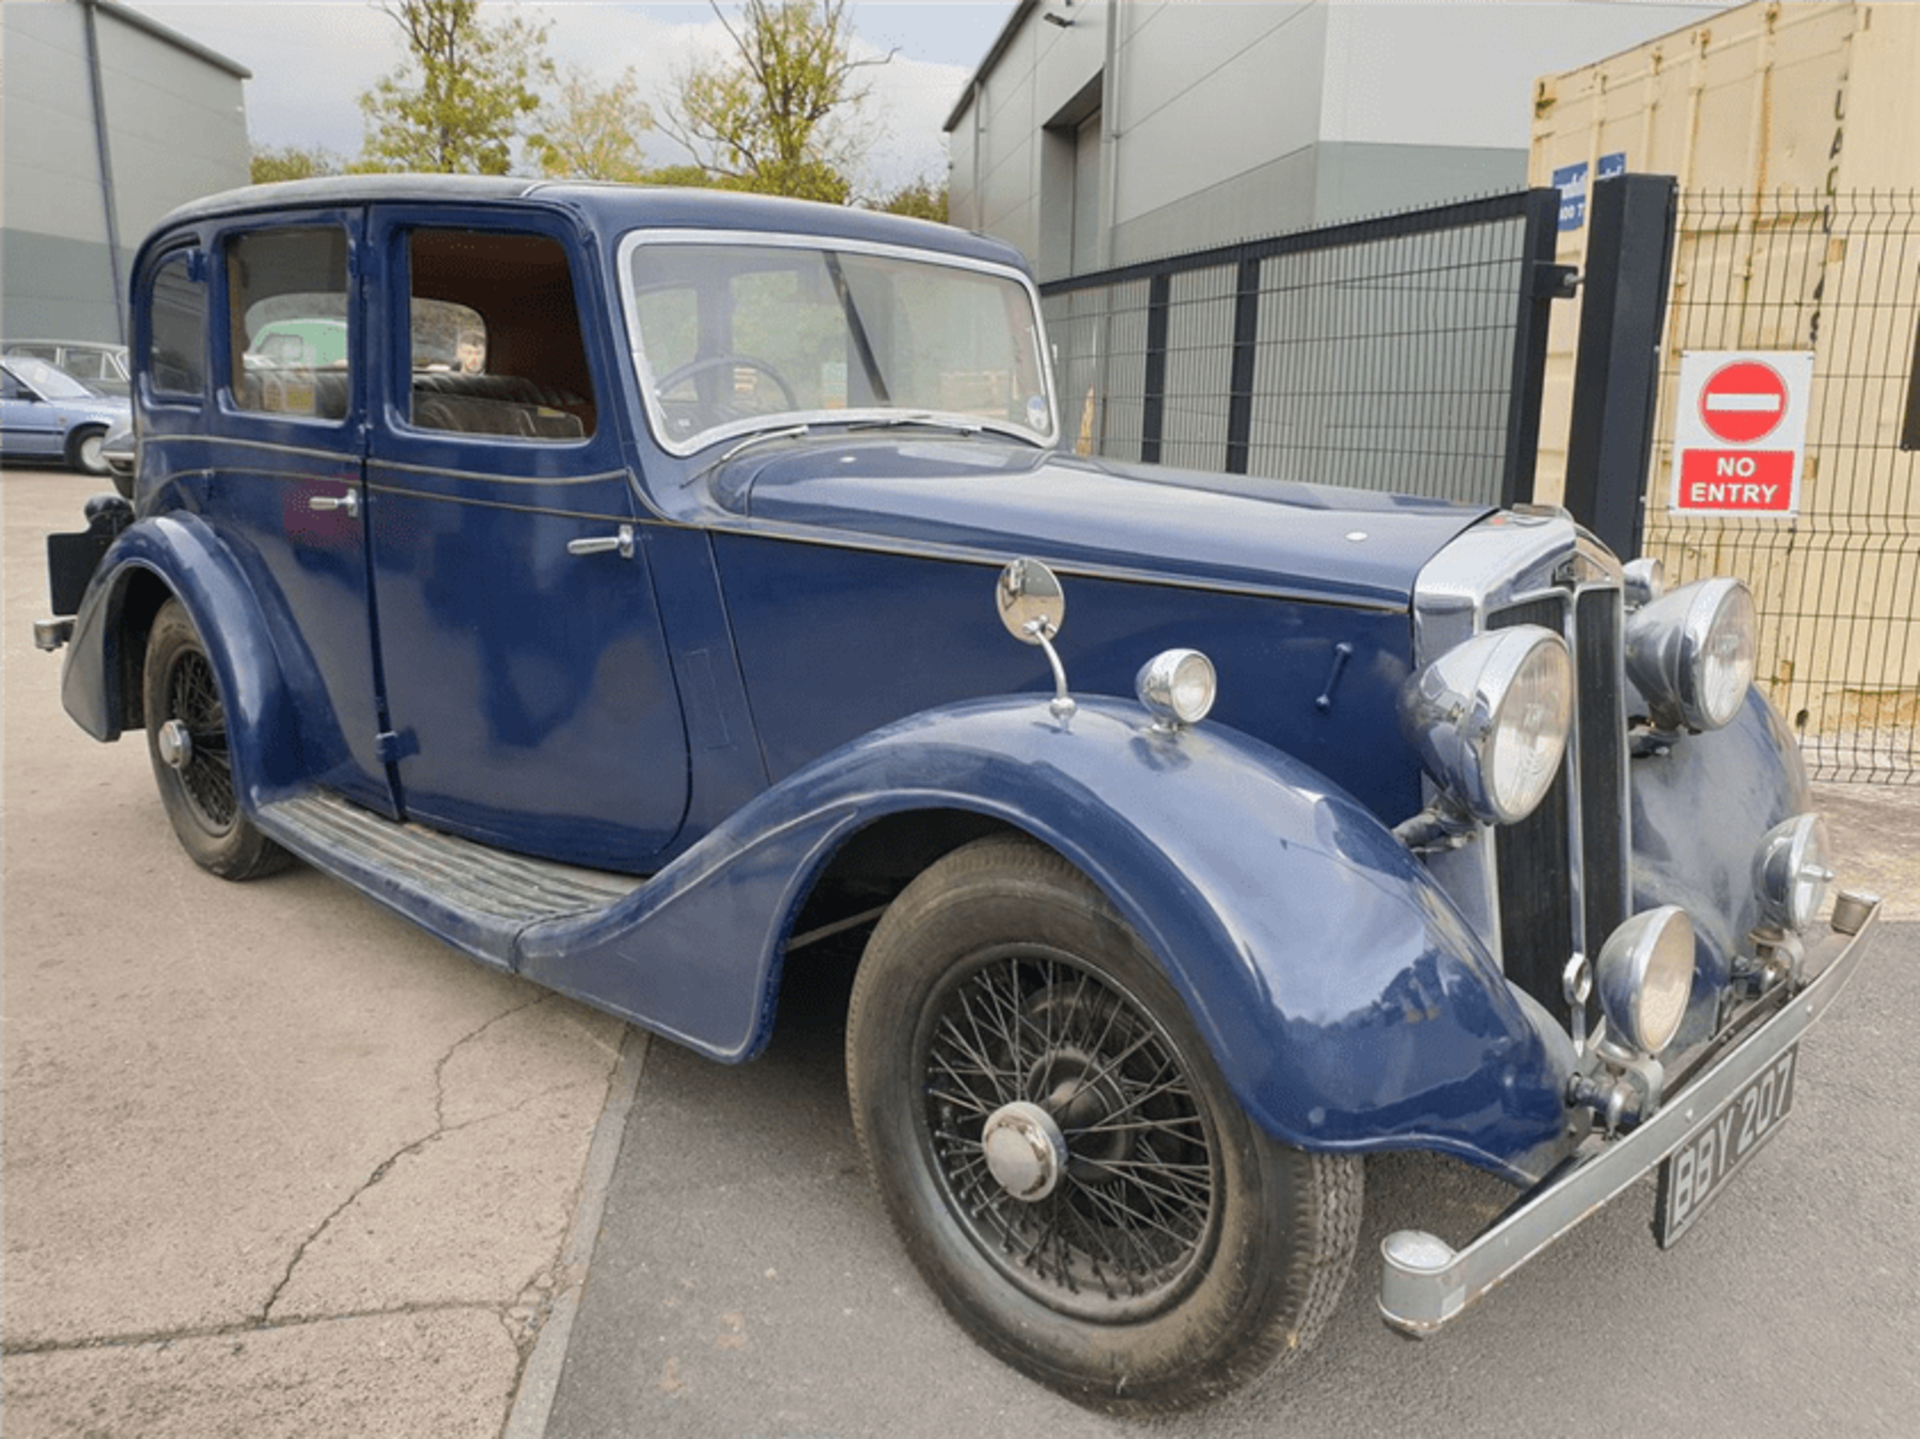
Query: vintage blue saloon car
629, 606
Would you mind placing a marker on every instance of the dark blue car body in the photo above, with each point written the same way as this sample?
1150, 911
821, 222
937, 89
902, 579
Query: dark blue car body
765, 687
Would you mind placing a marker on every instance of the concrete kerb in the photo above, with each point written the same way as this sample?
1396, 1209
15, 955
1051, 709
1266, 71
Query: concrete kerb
540, 1378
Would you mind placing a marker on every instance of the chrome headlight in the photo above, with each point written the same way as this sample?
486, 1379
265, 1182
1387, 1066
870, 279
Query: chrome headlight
1490, 719
1691, 652
1645, 977
1642, 581
1177, 687
1791, 872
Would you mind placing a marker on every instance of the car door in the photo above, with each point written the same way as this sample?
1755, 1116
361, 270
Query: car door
280, 472
526, 673
28, 424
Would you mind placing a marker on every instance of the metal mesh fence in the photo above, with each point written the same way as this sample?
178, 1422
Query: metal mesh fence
1401, 353
1838, 584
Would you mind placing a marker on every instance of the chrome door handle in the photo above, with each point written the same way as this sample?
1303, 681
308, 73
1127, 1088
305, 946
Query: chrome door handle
621, 544
350, 502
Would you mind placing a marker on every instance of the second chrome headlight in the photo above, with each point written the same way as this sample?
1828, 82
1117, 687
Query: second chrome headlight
1490, 719
1691, 652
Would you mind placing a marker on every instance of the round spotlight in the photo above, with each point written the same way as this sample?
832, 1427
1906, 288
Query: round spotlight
1791, 872
1645, 976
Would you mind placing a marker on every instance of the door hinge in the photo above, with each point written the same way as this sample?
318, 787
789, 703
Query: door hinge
390, 746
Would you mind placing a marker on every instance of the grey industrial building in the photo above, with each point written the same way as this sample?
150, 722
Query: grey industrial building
1103, 132
110, 120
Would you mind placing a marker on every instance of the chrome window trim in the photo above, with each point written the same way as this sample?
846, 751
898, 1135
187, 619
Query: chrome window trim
643, 372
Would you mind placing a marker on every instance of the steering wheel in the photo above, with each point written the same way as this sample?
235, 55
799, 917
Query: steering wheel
673, 379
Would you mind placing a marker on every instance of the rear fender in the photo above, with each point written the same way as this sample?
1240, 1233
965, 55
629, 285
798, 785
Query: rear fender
180, 555
1348, 1005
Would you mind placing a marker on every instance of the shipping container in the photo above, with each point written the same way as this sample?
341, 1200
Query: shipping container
1794, 133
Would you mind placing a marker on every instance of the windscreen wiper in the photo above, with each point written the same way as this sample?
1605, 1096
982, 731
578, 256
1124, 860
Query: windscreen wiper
923, 418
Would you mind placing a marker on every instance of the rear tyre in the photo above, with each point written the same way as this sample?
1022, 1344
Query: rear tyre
1129, 1238
83, 451
188, 743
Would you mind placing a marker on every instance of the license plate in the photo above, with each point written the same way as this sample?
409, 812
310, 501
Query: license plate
1694, 1175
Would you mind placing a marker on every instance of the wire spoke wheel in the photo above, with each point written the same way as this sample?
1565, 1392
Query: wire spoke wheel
1058, 1150
190, 744
193, 699
1134, 1209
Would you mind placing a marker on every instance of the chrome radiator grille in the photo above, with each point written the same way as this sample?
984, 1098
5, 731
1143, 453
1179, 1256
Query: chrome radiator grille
1562, 871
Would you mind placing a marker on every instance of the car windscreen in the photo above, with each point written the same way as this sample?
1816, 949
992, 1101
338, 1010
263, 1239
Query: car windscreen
48, 381
733, 337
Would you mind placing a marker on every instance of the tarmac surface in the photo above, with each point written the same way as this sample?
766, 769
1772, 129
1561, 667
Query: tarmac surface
275, 1163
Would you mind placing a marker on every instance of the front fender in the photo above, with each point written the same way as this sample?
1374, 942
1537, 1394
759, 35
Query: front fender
1347, 1004
1701, 806
182, 556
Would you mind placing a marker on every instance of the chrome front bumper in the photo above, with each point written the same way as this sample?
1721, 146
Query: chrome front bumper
1427, 1283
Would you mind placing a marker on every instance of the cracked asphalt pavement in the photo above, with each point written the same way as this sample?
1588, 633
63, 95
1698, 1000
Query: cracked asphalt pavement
275, 1162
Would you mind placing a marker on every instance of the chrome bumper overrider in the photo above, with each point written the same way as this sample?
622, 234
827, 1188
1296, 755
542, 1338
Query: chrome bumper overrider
1426, 1283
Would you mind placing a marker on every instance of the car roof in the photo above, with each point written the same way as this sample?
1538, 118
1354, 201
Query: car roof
605, 206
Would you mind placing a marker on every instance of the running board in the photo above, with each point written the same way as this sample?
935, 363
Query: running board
476, 898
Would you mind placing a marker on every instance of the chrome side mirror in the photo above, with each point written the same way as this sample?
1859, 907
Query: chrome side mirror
1033, 606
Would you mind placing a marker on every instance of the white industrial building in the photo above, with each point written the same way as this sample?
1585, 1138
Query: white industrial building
1103, 132
110, 120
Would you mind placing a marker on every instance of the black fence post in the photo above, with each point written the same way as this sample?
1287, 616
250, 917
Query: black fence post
1246, 335
1542, 281
1153, 404
1630, 236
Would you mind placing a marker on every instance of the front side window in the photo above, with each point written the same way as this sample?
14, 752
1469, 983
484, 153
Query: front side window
494, 340
177, 328
287, 306
731, 338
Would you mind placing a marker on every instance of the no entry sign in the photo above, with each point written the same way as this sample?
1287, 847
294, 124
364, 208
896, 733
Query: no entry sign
1740, 432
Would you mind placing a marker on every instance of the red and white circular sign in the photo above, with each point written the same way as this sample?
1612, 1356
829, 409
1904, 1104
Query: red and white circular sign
1743, 402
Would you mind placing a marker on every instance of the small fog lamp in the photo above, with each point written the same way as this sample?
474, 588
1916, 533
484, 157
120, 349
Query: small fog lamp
1177, 687
1645, 977
1791, 872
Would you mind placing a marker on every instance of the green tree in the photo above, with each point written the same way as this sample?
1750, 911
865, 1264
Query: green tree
921, 200
592, 130
460, 98
773, 115
691, 176
293, 162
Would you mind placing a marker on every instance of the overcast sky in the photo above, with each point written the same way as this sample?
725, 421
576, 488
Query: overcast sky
311, 59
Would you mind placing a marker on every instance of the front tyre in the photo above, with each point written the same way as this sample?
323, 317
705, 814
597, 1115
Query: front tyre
1055, 1145
188, 742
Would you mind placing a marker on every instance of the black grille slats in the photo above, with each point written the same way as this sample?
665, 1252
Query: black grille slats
1562, 871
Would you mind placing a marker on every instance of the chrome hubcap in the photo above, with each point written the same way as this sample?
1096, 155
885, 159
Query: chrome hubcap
1026, 1153
175, 742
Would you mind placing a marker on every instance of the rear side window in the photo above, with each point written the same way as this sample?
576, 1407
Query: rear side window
287, 313
177, 329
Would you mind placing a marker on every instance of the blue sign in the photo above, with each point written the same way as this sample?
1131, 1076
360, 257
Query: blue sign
1571, 182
